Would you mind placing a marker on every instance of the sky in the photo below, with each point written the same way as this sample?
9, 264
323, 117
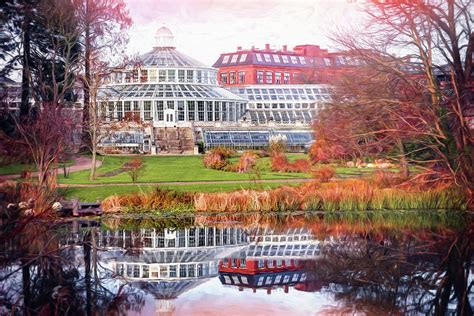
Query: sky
204, 29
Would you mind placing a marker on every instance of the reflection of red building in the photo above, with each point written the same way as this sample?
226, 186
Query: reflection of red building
304, 64
262, 273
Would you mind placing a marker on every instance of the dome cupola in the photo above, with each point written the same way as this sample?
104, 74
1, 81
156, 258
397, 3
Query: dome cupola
164, 37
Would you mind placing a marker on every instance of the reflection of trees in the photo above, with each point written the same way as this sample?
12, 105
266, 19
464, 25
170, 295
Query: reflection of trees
417, 273
41, 276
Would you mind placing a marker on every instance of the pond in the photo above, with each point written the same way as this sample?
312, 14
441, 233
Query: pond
397, 263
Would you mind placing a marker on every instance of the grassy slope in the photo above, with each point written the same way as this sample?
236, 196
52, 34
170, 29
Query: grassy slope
172, 168
93, 194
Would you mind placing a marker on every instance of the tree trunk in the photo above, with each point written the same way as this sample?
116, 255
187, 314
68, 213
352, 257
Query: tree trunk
87, 271
87, 81
25, 276
94, 159
404, 171
26, 60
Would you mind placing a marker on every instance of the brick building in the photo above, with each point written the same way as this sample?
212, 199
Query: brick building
305, 64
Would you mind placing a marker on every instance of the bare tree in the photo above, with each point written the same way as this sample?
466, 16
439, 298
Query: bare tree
438, 38
102, 28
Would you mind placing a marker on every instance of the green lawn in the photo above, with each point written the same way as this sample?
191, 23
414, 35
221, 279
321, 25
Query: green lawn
173, 168
91, 194
17, 168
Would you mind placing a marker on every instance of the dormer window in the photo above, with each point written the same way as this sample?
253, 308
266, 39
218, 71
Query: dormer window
225, 60
234, 58
243, 57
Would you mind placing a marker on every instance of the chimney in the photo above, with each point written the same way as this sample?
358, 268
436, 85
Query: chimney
239, 48
285, 48
253, 47
267, 46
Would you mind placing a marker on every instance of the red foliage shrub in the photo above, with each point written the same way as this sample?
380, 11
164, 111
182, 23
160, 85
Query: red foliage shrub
281, 164
324, 173
279, 161
301, 165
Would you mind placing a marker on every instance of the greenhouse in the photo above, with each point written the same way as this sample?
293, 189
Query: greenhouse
256, 138
170, 92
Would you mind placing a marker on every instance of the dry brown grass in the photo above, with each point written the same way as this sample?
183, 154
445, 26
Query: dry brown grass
348, 195
246, 161
158, 199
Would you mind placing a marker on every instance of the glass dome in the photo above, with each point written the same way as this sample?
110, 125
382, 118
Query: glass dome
169, 88
164, 37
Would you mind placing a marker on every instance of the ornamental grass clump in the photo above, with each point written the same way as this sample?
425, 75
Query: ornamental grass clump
158, 199
246, 161
348, 195
214, 160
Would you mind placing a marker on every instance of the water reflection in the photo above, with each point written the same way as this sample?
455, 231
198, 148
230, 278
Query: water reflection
279, 265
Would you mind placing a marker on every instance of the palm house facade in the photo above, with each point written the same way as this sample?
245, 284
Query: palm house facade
170, 94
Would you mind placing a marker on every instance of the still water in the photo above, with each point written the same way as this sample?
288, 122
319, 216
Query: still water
299, 264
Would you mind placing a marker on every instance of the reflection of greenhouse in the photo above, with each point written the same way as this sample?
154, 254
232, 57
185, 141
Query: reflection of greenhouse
291, 243
262, 273
168, 262
272, 259
165, 263
171, 254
